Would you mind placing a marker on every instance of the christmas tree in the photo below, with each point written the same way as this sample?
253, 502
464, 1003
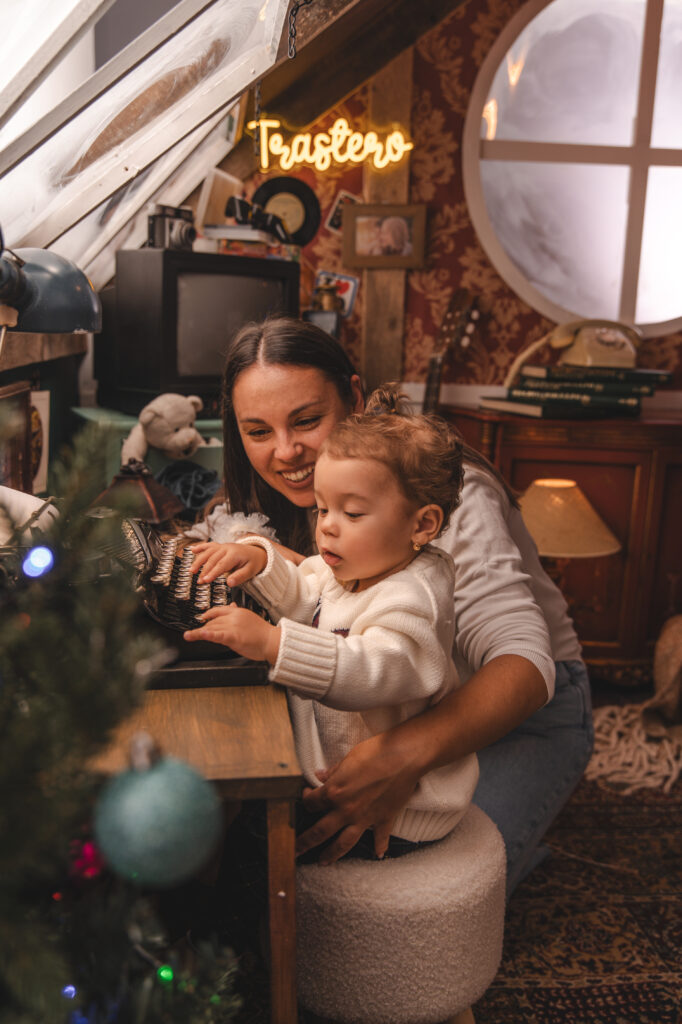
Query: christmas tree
78, 942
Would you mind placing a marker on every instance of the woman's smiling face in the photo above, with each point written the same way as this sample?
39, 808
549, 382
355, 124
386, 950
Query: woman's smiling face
284, 413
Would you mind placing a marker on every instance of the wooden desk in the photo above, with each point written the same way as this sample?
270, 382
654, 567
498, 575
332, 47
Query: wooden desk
241, 739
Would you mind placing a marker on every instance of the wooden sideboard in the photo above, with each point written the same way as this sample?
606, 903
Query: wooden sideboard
631, 472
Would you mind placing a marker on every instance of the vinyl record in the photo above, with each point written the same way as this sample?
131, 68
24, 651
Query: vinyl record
294, 203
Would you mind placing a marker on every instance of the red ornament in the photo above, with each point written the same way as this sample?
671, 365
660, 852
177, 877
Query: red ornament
86, 861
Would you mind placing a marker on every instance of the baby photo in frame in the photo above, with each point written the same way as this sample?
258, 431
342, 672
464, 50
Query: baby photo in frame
383, 236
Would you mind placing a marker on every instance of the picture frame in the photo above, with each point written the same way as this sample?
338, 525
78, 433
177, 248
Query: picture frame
384, 236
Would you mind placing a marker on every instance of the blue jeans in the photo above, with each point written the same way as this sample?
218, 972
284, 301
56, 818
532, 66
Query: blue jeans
528, 775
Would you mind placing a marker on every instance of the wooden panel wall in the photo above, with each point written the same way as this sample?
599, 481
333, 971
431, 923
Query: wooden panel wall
390, 100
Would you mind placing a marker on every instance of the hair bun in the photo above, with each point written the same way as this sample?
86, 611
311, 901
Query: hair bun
386, 400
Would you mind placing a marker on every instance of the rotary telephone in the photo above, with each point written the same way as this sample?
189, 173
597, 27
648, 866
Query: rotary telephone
586, 343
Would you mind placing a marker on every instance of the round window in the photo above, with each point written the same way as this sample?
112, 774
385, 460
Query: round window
572, 159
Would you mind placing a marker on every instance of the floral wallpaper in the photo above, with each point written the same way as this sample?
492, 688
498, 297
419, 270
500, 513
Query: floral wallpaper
446, 63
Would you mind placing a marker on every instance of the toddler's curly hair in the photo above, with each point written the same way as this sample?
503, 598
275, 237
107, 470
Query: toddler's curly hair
421, 451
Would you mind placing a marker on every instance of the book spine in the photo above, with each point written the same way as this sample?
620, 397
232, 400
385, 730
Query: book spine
605, 401
562, 371
549, 409
588, 387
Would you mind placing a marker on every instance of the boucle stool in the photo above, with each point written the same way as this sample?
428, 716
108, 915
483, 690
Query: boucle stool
412, 940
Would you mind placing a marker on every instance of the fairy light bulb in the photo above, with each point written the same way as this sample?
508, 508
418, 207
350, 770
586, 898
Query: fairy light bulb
38, 561
165, 974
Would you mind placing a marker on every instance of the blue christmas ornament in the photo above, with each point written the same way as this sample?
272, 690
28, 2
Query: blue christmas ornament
158, 826
37, 562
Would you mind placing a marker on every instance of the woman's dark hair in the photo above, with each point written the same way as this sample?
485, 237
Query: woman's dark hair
278, 340
281, 340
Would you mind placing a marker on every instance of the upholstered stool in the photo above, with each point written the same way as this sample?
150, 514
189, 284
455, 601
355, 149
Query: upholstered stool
412, 940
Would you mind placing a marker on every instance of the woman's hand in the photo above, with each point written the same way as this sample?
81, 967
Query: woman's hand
372, 784
368, 789
241, 630
237, 562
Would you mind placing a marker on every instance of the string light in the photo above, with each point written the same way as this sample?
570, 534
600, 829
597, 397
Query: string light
69, 991
165, 974
37, 562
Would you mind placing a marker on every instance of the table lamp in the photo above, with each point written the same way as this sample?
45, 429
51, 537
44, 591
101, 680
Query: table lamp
43, 292
564, 525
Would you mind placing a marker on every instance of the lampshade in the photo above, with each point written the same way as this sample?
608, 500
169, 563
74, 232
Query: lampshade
50, 293
563, 523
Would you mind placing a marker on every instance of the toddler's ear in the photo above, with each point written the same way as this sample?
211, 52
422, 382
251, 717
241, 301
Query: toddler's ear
428, 522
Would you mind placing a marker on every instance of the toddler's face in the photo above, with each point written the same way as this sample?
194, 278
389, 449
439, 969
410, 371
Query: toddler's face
364, 521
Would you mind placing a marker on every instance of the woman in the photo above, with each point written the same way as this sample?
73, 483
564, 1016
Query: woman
524, 706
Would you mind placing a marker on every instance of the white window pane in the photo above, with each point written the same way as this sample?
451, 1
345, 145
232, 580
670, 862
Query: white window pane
68, 74
571, 75
563, 226
33, 33
207, 64
169, 180
667, 124
659, 297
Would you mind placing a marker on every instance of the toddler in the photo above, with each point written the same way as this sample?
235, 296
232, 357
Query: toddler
364, 629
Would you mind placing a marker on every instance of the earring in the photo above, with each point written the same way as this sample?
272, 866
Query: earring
417, 547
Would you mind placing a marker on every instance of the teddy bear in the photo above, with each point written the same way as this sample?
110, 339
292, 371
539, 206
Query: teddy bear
166, 423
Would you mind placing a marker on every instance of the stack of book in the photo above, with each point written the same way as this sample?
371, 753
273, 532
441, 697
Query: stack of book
572, 392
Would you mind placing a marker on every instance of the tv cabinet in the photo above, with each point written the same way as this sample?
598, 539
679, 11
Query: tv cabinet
631, 471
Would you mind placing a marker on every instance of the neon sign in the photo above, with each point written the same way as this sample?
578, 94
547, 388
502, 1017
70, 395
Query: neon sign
339, 145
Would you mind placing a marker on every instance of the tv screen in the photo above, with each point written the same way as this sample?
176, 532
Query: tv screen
211, 309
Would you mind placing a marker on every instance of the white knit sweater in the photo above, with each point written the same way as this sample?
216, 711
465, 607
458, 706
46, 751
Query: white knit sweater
504, 601
371, 660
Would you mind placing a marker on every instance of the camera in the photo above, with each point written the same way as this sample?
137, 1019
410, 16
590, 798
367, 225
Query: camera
171, 227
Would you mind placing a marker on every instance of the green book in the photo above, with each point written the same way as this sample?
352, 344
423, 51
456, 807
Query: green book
552, 410
573, 396
562, 371
586, 387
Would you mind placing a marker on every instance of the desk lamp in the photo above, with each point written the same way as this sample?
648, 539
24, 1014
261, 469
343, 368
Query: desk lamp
564, 525
41, 292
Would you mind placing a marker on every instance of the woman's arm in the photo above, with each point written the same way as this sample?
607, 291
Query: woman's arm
376, 779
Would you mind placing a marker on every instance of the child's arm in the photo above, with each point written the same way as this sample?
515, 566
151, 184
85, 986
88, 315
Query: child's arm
237, 562
283, 587
396, 659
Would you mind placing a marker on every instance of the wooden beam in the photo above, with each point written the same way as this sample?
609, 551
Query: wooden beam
340, 46
383, 308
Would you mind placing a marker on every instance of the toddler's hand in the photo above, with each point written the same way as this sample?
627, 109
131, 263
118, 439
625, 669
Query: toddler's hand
237, 562
241, 630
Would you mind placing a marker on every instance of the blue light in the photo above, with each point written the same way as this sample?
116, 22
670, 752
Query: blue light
69, 991
38, 561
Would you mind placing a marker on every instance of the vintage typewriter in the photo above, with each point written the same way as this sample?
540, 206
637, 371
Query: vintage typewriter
171, 595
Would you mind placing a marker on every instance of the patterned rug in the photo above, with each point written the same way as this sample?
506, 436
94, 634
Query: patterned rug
594, 934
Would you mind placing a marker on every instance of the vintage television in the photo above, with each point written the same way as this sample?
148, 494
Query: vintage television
170, 315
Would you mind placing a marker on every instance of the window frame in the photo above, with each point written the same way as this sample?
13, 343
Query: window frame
99, 181
639, 156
